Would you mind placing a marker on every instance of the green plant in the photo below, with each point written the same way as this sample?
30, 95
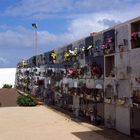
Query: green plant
7, 86
26, 101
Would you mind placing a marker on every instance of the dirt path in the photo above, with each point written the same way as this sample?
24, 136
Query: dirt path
8, 97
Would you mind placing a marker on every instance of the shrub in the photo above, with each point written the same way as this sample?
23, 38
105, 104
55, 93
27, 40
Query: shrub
7, 86
26, 101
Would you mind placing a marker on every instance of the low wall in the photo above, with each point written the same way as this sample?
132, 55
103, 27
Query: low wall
7, 76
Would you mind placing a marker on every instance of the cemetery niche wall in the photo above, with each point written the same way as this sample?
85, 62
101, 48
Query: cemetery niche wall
96, 78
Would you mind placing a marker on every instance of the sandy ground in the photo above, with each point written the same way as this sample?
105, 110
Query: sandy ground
8, 97
43, 123
40, 123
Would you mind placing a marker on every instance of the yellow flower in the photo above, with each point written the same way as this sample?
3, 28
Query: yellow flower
53, 55
67, 56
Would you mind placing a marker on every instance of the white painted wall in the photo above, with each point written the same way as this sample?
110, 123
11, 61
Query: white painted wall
7, 76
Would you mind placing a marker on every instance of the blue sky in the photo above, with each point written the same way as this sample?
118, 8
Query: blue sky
59, 22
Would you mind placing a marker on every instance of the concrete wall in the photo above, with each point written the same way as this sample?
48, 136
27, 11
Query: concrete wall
100, 109
89, 83
110, 114
135, 118
122, 38
124, 89
121, 65
123, 119
135, 66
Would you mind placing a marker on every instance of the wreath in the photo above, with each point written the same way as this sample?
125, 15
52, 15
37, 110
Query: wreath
72, 72
67, 56
108, 45
53, 56
85, 91
134, 36
96, 70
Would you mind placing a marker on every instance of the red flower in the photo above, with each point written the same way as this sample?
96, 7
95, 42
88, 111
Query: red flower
72, 72
134, 36
96, 70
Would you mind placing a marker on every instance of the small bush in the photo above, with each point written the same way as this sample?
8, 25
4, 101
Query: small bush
7, 86
26, 101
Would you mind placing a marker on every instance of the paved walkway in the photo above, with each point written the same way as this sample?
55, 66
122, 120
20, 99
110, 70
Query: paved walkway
43, 123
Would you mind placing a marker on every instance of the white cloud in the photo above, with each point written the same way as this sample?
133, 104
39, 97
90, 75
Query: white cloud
84, 16
21, 37
80, 25
83, 26
66, 8
78, 28
3, 60
35, 7
16, 38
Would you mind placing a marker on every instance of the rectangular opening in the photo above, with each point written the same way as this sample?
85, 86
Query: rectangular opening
135, 34
109, 66
109, 42
89, 46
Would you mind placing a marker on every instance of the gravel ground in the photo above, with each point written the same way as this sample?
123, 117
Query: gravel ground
8, 97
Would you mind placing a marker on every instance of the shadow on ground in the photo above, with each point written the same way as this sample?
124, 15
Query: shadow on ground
107, 134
